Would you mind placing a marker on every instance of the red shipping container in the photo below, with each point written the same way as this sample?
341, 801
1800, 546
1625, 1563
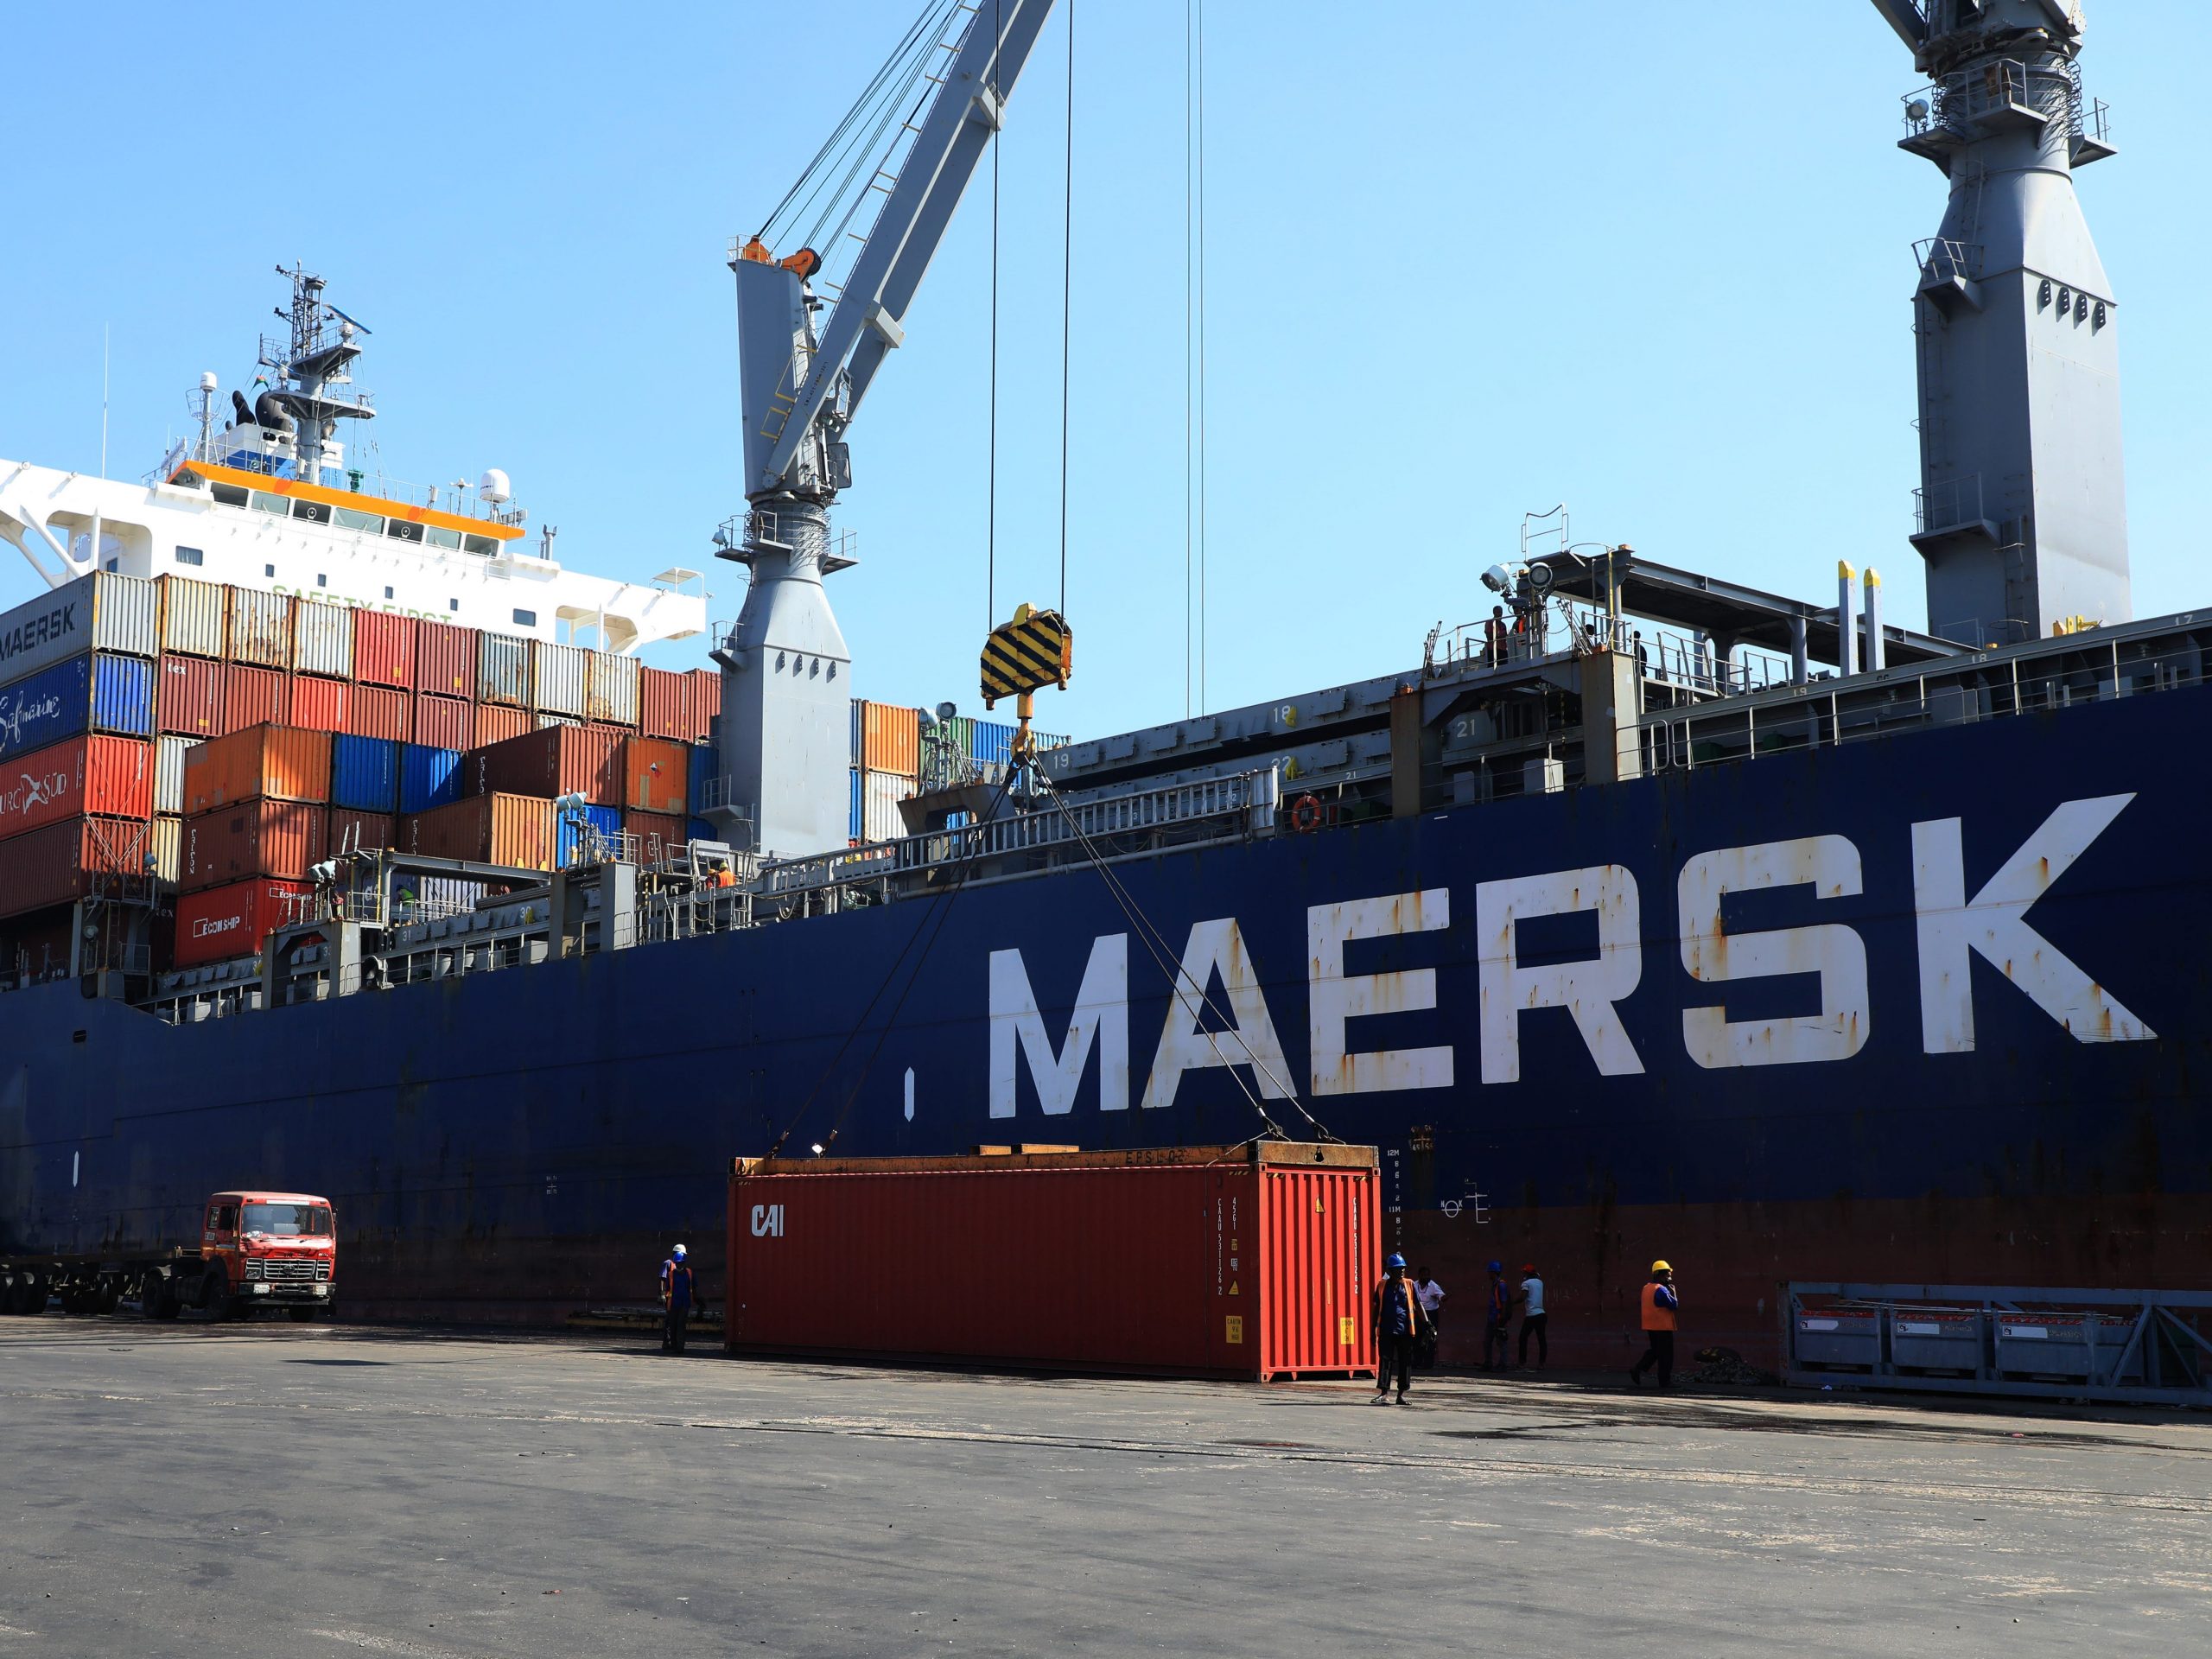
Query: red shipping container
656, 775
664, 704
584, 760
656, 832
1254, 1261
495, 722
513, 831
254, 697
706, 702
286, 839
378, 711
106, 777
220, 923
321, 705
444, 722
445, 662
55, 864
189, 697
384, 651
350, 829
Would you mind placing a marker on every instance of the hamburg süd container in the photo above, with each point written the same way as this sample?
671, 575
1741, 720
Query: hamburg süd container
94, 693
363, 774
427, 776
559, 679
552, 761
193, 616
583, 834
1253, 1262
613, 695
706, 702
445, 660
281, 763
319, 703
664, 703
260, 630
350, 830
656, 775
493, 723
254, 697
95, 612
503, 670
169, 773
322, 638
515, 831
378, 711
383, 649
95, 776
189, 696
285, 839
218, 923
58, 862
443, 722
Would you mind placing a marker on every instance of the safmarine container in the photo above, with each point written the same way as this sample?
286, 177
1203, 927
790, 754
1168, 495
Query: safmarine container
58, 862
443, 722
1253, 1262
512, 830
363, 774
378, 711
321, 704
193, 616
322, 638
494, 723
383, 649
559, 679
104, 777
556, 761
254, 697
427, 776
613, 696
583, 833
220, 923
95, 612
445, 660
189, 696
286, 839
260, 630
96, 693
656, 775
169, 773
285, 763
706, 702
350, 830
503, 670
664, 703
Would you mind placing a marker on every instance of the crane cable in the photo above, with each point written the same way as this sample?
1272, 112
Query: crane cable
991, 536
1067, 285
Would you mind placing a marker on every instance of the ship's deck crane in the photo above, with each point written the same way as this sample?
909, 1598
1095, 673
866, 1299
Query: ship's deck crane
786, 670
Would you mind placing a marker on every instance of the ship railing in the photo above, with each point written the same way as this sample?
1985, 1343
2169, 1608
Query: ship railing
1947, 504
1683, 662
1945, 259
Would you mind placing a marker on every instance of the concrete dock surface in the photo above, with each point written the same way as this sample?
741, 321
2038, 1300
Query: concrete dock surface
313, 1490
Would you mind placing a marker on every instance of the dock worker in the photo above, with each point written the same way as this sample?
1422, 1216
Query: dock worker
1534, 1320
675, 1300
1398, 1324
1659, 1308
1497, 1319
1431, 1297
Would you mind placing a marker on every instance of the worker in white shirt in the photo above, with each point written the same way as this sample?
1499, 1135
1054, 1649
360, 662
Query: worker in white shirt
1532, 1316
1431, 1296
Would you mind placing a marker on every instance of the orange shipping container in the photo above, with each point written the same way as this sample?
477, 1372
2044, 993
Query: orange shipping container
56, 864
384, 651
285, 839
706, 702
106, 776
278, 763
320, 703
349, 830
495, 722
891, 738
584, 760
515, 831
378, 711
655, 774
664, 703
254, 697
443, 722
189, 697
656, 832
445, 660
220, 923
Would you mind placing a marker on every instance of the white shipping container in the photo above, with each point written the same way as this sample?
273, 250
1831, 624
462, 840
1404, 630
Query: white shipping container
96, 613
194, 615
560, 679
322, 638
613, 689
164, 848
260, 630
168, 773
880, 793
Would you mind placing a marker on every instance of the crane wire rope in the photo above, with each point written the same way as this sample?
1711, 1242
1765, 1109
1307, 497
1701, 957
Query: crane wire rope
1067, 289
991, 536
1198, 37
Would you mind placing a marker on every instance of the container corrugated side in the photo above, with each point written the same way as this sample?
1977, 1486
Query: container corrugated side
322, 638
664, 703
583, 833
987, 741
653, 833
162, 848
856, 814
378, 711
445, 659
219, 924
98, 692
656, 775
285, 839
55, 864
363, 774
513, 831
706, 703
194, 616
94, 775
429, 777
613, 697
254, 696
880, 793
890, 738
503, 670
169, 773
286, 763
704, 767
556, 760
492, 723
700, 829
383, 649
321, 704
96, 613
260, 630
350, 828
189, 696
559, 679
443, 722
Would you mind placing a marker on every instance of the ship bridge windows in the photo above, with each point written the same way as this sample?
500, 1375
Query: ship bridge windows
190, 556
402, 530
483, 545
313, 511
449, 539
229, 494
279, 504
354, 518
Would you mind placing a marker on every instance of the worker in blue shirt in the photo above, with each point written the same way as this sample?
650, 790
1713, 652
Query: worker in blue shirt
675, 1300
1399, 1323
1661, 1306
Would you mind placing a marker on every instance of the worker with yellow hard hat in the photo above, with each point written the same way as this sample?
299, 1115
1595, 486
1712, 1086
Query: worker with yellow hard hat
1660, 1306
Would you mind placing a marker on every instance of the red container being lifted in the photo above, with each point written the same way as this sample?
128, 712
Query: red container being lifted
1253, 1262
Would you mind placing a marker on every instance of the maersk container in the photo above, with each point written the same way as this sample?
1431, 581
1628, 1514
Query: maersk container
512, 830
612, 698
260, 630
503, 670
445, 659
656, 775
442, 722
254, 696
58, 862
220, 923
321, 704
93, 693
363, 774
556, 761
383, 649
96, 613
284, 839
284, 763
1254, 1261
427, 776
559, 679
195, 615
169, 773
581, 834
322, 640
189, 696
664, 703
378, 711
103, 777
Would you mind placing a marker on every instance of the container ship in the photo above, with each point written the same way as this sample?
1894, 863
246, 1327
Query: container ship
1650, 913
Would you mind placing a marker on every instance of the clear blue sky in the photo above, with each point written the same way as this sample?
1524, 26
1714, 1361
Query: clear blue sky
1465, 261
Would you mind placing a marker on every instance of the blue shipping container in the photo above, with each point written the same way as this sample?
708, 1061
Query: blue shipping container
573, 840
988, 740
705, 766
427, 776
857, 815
700, 829
364, 772
95, 692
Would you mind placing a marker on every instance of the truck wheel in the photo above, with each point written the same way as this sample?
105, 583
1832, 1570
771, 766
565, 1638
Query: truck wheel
155, 1300
215, 1296
106, 1295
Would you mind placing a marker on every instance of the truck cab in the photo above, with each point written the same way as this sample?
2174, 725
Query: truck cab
269, 1249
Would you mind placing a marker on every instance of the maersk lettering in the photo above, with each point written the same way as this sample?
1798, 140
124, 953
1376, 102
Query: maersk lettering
1234, 1027
58, 623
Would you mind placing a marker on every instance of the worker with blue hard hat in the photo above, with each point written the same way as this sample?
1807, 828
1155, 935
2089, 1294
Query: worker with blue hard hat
1399, 1323
676, 1288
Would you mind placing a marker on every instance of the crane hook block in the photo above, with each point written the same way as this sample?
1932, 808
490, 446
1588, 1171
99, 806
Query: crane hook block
1035, 650
804, 264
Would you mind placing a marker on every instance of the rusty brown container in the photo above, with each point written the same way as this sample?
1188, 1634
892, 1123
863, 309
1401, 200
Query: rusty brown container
664, 704
284, 763
558, 761
350, 829
706, 702
284, 839
378, 711
443, 722
1254, 1261
320, 703
384, 651
445, 660
493, 722
189, 696
59, 862
254, 697
512, 830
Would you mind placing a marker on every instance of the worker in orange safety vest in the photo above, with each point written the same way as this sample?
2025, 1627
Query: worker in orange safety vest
1659, 1308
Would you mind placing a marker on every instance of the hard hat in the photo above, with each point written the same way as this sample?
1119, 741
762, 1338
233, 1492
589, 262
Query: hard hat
1393, 1261
680, 1252
1661, 1267
1527, 1267
1497, 1266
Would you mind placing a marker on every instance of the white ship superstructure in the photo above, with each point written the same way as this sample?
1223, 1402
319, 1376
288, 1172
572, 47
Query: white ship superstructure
266, 499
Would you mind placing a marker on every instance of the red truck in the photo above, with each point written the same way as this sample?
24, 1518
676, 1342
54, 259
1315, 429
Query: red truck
255, 1250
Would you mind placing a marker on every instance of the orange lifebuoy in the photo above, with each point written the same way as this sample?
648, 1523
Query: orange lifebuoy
1305, 814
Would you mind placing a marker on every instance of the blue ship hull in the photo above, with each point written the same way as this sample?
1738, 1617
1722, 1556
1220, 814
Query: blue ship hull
1554, 1073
